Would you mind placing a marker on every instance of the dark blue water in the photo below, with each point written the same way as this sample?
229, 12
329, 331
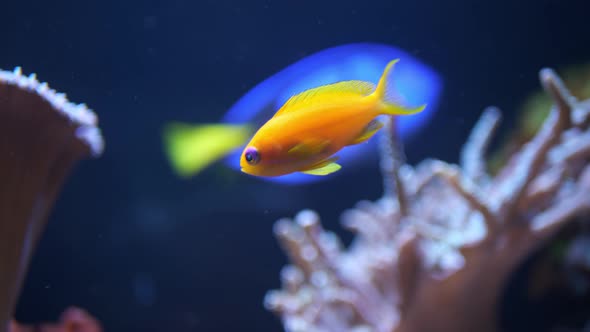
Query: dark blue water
145, 251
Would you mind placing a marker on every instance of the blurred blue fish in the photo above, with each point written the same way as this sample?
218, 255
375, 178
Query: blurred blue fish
191, 148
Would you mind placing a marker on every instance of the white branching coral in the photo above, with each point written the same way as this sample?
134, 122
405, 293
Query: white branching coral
435, 254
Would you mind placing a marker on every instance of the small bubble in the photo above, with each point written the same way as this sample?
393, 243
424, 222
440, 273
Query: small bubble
150, 22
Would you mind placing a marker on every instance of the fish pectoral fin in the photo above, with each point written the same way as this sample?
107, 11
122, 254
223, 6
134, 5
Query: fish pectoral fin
371, 129
325, 167
308, 147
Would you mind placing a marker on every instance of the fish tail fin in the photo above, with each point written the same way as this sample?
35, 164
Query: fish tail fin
391, 102
191, 148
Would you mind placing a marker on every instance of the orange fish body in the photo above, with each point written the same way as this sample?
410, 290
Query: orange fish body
311, 127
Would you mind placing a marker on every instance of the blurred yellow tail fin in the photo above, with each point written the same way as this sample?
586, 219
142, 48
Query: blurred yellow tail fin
191, 148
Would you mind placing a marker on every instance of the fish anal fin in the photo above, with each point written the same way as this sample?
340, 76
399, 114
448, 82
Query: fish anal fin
341, 89
325, 167
309, 147
371, 129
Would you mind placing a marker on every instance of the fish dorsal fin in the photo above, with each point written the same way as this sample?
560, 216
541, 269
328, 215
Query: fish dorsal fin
350, 88
325, 167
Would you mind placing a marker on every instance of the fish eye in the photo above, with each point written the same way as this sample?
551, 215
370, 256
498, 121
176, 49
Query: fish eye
252, 156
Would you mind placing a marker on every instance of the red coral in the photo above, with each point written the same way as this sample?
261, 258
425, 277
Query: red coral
72, 320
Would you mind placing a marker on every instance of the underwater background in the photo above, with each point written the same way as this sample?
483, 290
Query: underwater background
144, 250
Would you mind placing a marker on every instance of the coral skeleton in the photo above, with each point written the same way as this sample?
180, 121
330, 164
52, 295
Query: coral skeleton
436, 251
42, 136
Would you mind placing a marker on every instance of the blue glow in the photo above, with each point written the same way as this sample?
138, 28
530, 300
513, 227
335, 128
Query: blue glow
415, 82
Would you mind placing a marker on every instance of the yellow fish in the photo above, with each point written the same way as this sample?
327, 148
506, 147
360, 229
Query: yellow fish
311, 127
